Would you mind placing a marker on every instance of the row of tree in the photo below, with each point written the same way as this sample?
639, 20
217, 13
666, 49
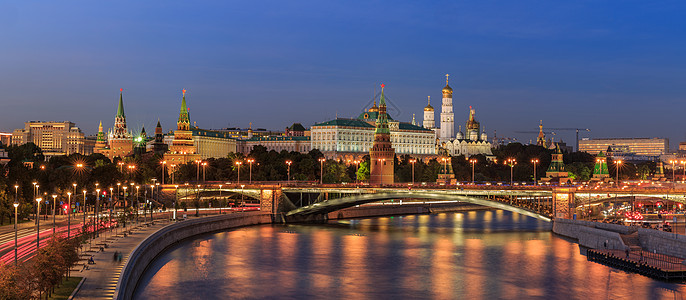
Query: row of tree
40, 275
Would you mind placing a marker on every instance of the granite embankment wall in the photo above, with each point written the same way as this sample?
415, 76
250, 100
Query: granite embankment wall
598, 235
146, 251
662, 242
591, 234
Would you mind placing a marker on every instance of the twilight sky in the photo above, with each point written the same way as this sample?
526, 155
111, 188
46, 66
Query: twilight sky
616, 67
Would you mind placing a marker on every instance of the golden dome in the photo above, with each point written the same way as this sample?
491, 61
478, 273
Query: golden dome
447, 89
428, 105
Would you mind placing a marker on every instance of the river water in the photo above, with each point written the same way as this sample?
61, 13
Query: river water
470, 255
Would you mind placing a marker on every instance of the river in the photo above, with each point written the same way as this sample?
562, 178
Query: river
471, 255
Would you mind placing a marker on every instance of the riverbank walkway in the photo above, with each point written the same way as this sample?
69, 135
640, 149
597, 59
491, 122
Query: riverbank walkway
647, 263
100, 279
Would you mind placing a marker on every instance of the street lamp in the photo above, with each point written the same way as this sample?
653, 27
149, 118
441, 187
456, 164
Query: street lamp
84, 210
96, 212
176, 198
445, 166
54, 208
38, 200
238, 165
535, 161
137, 203
473, 162
288, 162
250, 161
242, 199
204, 164
413, 161
164, 162
16, 205
357, 169
220, 199
35, 187
511, 162
121, 166
673, 163
683, 166
68, 214
197, 175
321, 170
619, 162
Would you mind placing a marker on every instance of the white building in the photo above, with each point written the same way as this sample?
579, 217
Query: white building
351, 139
472, 143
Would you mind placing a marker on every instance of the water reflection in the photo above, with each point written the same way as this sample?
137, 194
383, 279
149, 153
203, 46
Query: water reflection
475, 255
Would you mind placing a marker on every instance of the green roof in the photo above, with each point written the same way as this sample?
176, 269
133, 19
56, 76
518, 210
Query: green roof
346, 122
183, 114
211, 133
408, 126
120, 109
279, 138
297, 127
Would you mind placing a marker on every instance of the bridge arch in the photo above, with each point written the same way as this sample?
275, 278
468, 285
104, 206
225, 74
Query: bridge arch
331, 205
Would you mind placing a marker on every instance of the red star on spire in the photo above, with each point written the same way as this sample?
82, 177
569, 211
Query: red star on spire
121, 90
184, 91
383, 85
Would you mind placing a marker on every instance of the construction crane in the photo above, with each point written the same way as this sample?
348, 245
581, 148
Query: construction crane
577, 133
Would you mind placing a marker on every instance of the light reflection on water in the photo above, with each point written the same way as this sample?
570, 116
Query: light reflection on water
473, 255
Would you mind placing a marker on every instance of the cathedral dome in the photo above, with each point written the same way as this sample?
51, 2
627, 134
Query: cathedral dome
429, 108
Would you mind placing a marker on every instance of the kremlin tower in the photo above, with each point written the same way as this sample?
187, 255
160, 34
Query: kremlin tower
119, 141
447, 131
182, 149
100, 142
158, 145
429, 122
382, 154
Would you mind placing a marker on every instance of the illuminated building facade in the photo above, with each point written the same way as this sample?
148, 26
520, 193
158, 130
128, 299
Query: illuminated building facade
54, 138
635, 146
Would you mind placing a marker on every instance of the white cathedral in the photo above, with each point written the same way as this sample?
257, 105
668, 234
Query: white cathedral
471, 143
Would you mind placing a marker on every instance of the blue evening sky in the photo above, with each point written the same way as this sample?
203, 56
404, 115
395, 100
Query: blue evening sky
616, 67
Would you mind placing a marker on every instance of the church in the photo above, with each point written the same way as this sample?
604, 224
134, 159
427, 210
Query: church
474, 141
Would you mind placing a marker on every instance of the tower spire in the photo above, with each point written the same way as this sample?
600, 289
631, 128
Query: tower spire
184, 122
446, 78
120, 109
428, 101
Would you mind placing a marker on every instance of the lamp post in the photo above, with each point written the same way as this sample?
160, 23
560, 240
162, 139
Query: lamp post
511, 162
445, 166
204, 165
357, 169
535, 161
16, 205
473, 162
96, 213
413, 161
38, 200
137, 205
288, 162
683, 166
242, 199
176, 199
84, 210
68, 214
673, 163
197, 175
617, 164
321, 170
220, 199
238, 165
34, 195
164, 162
173, 168
54, 209
121, 166
250, 161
